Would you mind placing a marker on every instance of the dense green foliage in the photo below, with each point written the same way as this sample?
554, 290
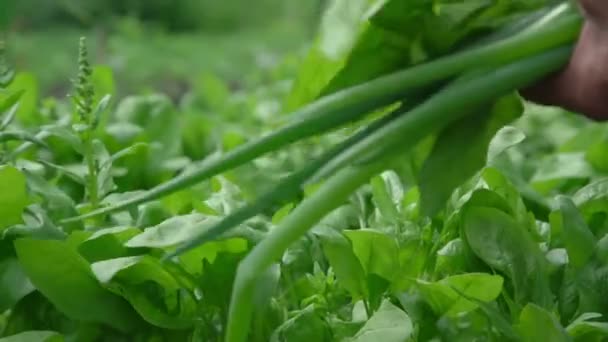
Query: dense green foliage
428, 202
174, 15
158, 46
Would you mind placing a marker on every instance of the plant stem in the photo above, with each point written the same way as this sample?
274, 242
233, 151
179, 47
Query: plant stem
350, 104
89, 156
442, 109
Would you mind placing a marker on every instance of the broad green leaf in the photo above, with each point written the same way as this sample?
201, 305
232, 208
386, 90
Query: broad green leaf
76, 172
9, 101
347, 51
280, 214
151, 214
451, 258
315, 73
568, 294
152, 291
558, 168
105, 181
107, 243
65, 278
420, 312
359, 313
6, 73
13, 196
129, 150
597, 154
193, 260
489, 199
226, 196
366, 61
586, 328
537, 324
218, 276
593, 141
65, 136
461, 150
593, 197
468, 327
14, 283
155, 113
602, 249
392, 34
342, 330
344, 262
120, 134
592, 294
36, 224
8, 117
305, 326
197, 130
505, 138
340, 27
100, 108
160, 128
34, 336
501, 185
387, 196
28, 106
413, 259
172, 231
445, 298
103, 82
377, 289
576, 236
106, 270
213, 91
494, 315
575, 136
498, 240
388, 324
377, 252
300, 257
342, 218
183, 201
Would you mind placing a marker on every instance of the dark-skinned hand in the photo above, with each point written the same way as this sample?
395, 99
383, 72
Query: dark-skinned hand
582, 86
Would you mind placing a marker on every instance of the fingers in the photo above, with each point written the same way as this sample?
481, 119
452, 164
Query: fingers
596, 11
544, 92
582, 86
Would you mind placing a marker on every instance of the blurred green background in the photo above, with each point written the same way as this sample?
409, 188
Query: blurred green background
159, 45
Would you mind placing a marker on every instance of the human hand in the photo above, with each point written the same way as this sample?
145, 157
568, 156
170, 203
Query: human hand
583, 85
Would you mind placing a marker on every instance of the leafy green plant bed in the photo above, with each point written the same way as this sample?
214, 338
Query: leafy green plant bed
411, 195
